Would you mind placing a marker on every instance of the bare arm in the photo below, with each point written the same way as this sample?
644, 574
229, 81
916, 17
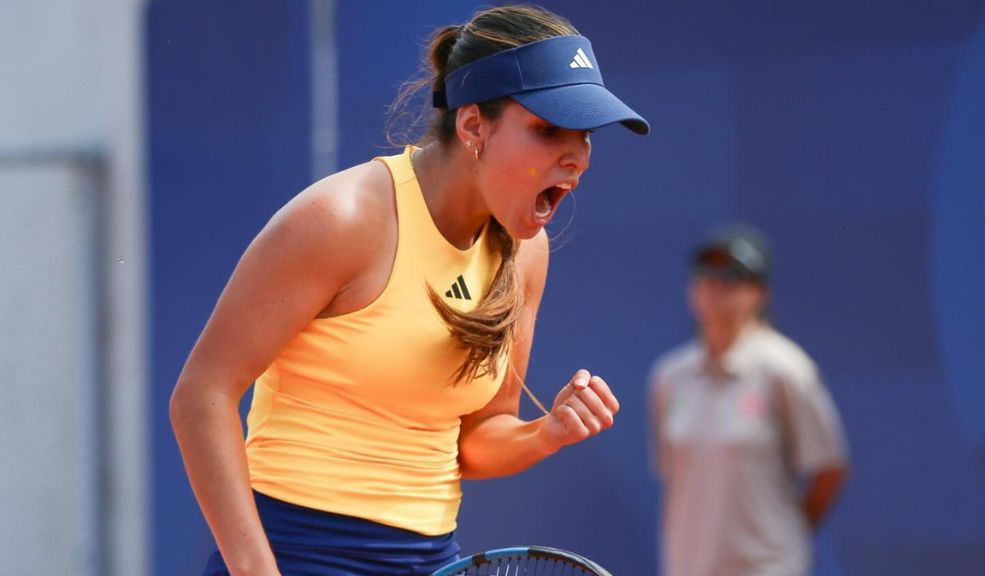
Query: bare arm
494, 441
289, 273
821, 494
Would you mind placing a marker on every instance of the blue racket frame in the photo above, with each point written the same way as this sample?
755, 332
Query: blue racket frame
535, 552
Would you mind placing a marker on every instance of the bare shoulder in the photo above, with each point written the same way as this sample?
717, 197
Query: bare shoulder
342, 220
309, 252
346, 201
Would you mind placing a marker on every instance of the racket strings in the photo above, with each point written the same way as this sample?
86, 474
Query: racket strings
527, 566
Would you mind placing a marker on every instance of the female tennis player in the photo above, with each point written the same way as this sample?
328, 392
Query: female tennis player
386, 315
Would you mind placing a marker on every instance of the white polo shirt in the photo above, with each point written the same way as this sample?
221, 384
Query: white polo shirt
731, 441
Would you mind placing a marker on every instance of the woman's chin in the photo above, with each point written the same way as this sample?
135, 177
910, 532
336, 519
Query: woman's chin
524, 230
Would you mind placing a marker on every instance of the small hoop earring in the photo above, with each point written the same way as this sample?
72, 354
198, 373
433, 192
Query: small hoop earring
472, 146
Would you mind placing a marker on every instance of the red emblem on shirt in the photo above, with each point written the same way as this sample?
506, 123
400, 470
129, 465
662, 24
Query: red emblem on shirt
753, 403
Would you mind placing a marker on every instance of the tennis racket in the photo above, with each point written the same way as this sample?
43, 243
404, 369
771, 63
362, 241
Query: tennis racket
523, 561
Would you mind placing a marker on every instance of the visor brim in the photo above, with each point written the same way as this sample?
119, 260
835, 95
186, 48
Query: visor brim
581, 107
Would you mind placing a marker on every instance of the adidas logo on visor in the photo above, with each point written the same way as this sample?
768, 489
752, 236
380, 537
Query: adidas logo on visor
581, 60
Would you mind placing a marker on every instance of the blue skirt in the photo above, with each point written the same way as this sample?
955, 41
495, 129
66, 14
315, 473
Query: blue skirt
316, 543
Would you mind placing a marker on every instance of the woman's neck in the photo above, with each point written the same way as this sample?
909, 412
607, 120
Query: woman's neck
447, 182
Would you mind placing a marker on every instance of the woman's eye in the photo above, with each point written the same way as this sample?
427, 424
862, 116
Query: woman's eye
549, 130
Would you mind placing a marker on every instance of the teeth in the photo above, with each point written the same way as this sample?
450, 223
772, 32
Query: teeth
564, 186
543, 205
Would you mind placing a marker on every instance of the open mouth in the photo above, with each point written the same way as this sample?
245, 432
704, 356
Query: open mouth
548, 201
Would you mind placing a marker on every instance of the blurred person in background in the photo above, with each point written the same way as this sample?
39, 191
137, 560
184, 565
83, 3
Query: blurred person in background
746, 438
386, 315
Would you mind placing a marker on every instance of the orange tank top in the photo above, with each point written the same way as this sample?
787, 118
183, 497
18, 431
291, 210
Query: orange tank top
358, 414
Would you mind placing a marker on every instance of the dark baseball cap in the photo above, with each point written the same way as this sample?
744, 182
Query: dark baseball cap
733, 253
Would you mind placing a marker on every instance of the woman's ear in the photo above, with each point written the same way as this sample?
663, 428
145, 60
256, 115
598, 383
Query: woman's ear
469, 125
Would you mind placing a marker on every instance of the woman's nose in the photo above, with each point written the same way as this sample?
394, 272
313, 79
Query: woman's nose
577, 157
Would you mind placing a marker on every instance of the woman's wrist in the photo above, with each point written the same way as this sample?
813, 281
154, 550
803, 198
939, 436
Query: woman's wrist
545, 443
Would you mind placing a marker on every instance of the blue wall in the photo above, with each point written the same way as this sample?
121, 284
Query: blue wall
853, 134
228, 99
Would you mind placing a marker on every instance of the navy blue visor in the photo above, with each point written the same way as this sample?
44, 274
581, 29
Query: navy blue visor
557, 79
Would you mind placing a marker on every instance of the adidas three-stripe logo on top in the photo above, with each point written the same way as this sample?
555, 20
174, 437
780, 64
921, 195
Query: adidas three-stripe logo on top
459, 290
